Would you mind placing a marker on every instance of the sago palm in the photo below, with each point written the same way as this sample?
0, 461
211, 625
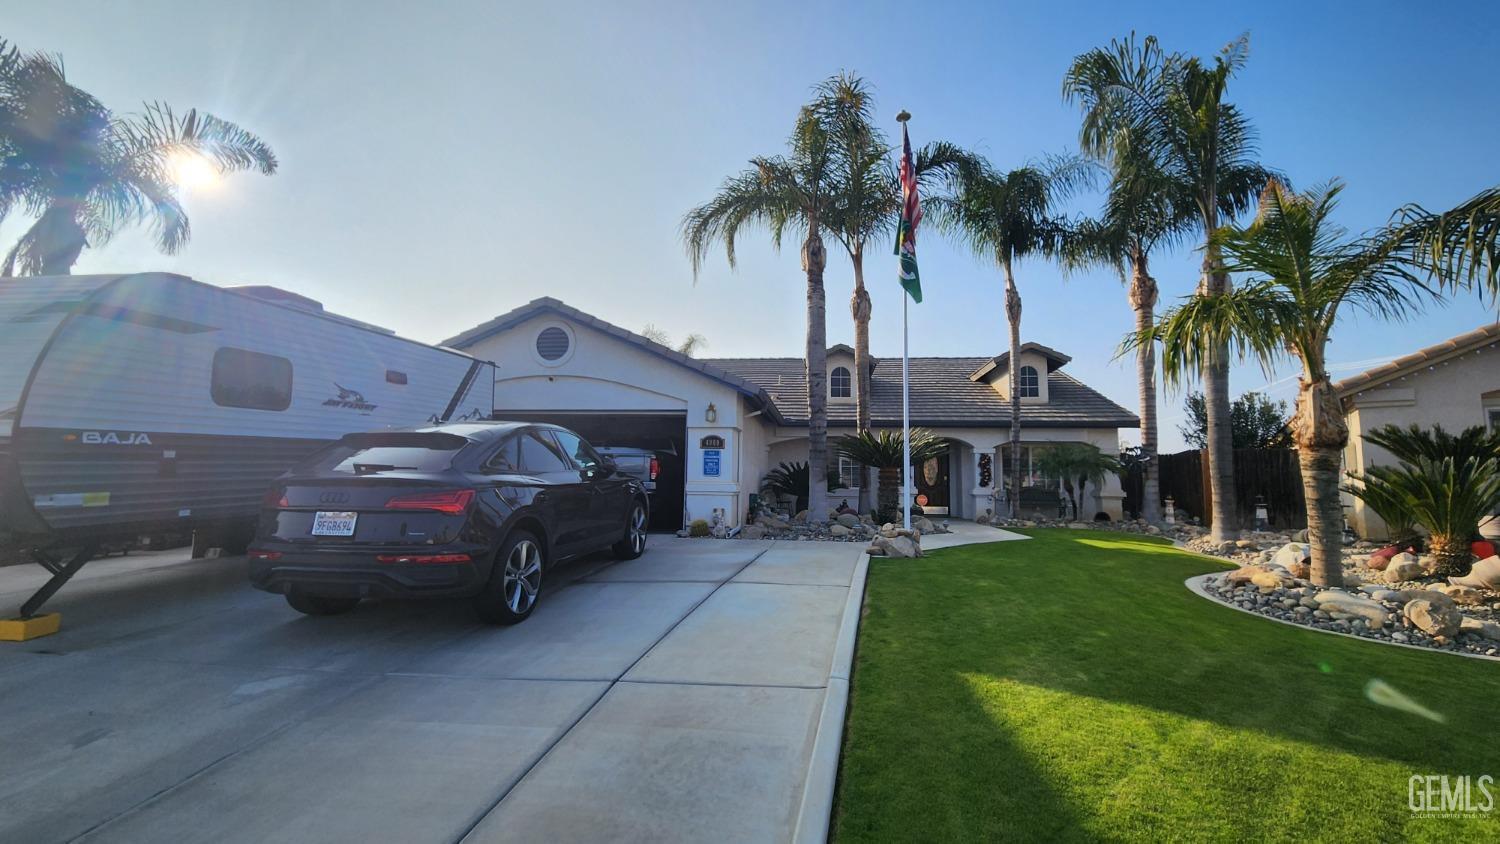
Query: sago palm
868, 206
1007, 217
884, 451
85, 172
794, 193
1447, 483
1141, 103
1304, 272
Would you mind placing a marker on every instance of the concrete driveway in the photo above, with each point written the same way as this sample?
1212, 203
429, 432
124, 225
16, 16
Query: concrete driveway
674, 697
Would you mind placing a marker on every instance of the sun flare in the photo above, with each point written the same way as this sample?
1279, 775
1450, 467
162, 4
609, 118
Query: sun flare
192, 171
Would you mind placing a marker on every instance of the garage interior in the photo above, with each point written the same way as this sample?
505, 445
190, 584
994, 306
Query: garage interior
663, 433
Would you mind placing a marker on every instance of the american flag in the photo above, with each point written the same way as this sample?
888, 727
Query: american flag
911, 216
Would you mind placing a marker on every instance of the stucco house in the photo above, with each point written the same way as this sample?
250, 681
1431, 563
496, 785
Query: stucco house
1455, 384
721, 423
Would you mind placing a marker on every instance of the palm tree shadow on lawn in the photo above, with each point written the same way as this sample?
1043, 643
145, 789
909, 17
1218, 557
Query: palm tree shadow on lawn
1048, 660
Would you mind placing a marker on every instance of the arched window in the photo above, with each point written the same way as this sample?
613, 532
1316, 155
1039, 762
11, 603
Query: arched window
839, 383
1030, 388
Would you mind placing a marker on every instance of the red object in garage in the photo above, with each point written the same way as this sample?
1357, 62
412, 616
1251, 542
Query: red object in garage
1483, 548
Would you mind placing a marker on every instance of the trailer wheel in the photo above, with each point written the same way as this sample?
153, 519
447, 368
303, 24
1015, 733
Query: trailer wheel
319, 604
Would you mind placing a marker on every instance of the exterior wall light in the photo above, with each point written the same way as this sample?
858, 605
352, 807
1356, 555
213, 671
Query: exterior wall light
711, 415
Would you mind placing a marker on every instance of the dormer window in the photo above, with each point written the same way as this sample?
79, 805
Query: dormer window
1030, 385
840, 384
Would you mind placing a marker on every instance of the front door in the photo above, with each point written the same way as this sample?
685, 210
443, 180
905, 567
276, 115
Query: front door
932, 485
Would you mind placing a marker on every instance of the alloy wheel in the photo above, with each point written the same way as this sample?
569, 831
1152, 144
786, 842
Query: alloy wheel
523, 576
638, 529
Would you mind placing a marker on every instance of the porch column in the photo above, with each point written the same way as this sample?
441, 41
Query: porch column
982, 494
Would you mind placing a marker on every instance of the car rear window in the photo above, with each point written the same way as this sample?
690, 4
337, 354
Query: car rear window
370, 454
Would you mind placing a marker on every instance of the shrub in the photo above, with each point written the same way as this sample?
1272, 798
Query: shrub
699, 527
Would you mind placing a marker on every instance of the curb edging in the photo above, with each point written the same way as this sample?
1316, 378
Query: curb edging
816, 812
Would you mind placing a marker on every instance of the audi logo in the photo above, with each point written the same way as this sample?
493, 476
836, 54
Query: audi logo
333, 498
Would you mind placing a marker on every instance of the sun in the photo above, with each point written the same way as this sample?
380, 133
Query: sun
192, 171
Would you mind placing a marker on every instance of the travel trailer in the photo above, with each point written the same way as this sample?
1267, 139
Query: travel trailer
149, 403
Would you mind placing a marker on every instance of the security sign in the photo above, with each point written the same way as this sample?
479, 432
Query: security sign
711, 462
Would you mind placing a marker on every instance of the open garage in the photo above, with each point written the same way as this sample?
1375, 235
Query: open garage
662, 434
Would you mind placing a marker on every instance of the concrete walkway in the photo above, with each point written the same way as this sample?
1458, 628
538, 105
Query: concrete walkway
675, 697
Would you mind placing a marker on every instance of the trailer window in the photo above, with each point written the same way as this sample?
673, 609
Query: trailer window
251, 380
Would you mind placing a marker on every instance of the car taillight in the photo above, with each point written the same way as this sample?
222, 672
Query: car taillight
655, 467
274, 499
422, 559
264, 555
454, 502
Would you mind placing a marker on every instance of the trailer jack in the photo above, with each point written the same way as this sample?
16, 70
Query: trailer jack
62, 572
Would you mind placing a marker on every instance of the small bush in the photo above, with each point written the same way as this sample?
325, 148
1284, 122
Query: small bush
699, 527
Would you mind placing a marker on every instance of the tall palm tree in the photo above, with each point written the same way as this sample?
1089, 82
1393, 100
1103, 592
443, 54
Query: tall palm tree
1145, 210
1169, 109
868, 208
1005, 217
1304, 272
86, 172
796, 193
1461, 245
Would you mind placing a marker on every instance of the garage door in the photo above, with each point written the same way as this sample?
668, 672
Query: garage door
663, 434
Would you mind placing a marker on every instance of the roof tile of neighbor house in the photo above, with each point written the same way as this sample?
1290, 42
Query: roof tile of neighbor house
941, 396
942, 392
1416, 360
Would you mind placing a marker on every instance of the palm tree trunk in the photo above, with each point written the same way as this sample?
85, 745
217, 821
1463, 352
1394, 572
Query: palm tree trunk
859, 306
1013, 317
1143, 294
814, 259
1225, 515
1319, 430
52, 245
889, 505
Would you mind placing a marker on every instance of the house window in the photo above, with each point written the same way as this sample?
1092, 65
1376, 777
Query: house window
1030, 386
251, 380
1495, 420
848, 473
839, 383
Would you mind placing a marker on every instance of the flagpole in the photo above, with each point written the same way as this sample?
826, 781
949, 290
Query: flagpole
905, 422
905, 383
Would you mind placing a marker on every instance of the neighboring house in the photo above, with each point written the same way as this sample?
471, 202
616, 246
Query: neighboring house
720, 424
1455, 384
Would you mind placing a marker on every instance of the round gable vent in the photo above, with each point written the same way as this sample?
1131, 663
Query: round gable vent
552, 343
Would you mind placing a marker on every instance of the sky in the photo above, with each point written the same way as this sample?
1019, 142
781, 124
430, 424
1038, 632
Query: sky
442, 163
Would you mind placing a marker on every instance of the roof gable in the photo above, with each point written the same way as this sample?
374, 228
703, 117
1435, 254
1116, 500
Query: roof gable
1055, 360
1406, 364
547, 304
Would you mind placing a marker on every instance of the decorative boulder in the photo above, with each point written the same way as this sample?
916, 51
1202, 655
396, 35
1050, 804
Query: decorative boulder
848, 520
1337, 603
1488, 629
1291, 554
838, 529
800, 518
896, 546
1377, 561
1403, 567
755, 531
1433, 617
1464, 595
1267, 579
1484, 575
1246, 574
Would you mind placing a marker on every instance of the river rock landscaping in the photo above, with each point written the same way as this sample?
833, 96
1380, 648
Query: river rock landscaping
884, 540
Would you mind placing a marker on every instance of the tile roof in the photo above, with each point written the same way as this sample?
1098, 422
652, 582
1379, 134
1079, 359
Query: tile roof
1416, 360
942, 392
941, 396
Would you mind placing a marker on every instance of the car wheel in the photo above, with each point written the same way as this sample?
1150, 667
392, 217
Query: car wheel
515, 581
634, 542
319, 604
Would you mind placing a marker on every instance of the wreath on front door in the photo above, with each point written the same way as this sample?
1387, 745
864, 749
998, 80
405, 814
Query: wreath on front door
985, 475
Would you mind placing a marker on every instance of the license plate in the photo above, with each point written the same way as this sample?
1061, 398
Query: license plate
333, 523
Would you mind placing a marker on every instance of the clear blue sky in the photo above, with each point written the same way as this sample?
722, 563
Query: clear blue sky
442, 163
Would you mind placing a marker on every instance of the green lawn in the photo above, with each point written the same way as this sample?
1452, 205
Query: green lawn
1069, 687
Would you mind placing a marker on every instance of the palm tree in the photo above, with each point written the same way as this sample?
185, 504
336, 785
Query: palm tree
1305, 271
1461, 246
1446, 483
86, 172
1076, 465
1005, 217
868, 208
885, 452
793, 192
1141, 103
